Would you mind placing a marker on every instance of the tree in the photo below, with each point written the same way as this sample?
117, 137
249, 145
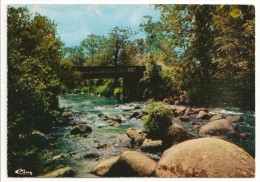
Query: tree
234, 47
92, 45
118, 38
154, 33
213, 50
157, 44
199, 55
34, 64
186, 43
151, 83
74, 54
177, 25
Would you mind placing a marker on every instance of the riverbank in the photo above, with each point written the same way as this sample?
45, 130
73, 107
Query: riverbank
109, 120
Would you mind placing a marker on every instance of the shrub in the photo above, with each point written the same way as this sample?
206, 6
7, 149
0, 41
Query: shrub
104, 90
158, 120
108, 88
157, 82
117, 92
150, 84
76, 90
85, 89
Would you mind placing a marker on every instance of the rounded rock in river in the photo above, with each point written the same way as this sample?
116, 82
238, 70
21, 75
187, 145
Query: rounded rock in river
205, 157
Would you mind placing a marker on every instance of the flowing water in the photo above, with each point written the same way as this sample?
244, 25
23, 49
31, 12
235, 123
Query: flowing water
107, 141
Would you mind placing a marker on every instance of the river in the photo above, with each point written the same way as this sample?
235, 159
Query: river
106, 140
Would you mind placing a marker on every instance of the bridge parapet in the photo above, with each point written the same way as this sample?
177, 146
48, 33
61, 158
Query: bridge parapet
92, 72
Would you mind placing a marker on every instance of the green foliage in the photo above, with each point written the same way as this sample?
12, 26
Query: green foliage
158, 120
104, 90
118, 39
235, 13
91, 48
108, 88
207, 45
70, 78
86, 89
76, 91
34, 82
74, 55
150, 84
118, 92
31, 159
156, 83
234, 47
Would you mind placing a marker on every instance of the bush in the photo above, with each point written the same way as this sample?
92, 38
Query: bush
76, 91
85, 89
157, 82
117, 92
108, 88
104, 90
150, 84
32, 159
158, 120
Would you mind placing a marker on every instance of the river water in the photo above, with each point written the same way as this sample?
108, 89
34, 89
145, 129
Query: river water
106, 141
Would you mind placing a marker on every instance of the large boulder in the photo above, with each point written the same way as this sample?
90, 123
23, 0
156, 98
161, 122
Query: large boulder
128, 164
104, 167
205, 157
152, 146
234, 119
81, 129
177, 134
136, 135
218, 127
134, 164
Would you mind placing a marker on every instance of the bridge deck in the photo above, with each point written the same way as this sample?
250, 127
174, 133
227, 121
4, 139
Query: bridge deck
92, 72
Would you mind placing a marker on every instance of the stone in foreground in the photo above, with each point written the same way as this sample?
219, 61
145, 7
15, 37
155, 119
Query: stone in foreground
177, 134
128, 164
234, 119
104, 167
152, 146
136, 135
134, 164
205, 157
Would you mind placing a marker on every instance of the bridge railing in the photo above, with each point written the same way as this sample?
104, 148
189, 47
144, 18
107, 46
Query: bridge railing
109, 71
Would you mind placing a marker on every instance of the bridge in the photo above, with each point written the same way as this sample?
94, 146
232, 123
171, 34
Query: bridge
130, 74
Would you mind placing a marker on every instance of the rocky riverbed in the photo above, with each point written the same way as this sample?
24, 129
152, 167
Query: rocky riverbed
93, 129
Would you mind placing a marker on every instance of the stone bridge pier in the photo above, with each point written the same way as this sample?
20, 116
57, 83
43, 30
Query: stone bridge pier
130, 86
